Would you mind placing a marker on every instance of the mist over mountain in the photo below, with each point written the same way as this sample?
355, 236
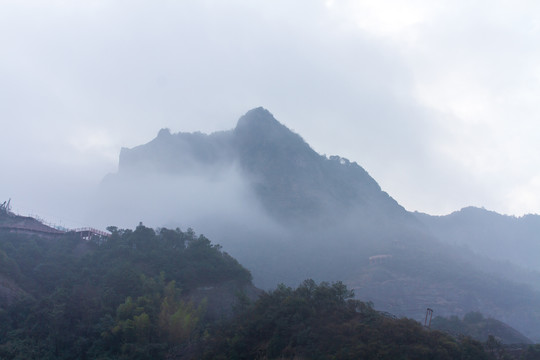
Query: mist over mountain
263, 193
294, 182
289, 179
501, 237
288, 213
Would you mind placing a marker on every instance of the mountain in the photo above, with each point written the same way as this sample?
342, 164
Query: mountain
501, 237
293, 181
290, 179
288, 214
265, 194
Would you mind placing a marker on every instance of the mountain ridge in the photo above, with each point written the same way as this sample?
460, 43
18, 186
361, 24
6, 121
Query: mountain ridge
287, 174
501, 237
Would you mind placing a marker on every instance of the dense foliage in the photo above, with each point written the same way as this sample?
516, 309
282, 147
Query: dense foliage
120, 298
324, 322
475, 325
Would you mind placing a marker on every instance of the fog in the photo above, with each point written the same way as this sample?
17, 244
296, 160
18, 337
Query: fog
223, 206
199, 201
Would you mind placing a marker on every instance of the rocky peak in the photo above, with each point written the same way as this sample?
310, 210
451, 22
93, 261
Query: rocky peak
257, 118
165, 132
259, 136
258, 127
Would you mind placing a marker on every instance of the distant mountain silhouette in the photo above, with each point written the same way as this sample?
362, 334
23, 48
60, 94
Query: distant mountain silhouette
501, 237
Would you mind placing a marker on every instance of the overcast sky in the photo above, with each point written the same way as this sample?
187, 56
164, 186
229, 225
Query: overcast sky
437, 100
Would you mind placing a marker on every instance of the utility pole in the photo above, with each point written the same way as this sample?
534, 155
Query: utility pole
429, 312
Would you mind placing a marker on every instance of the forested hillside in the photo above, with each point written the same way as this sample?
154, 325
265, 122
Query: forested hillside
322, 321
169, 294
475, 325
136, 295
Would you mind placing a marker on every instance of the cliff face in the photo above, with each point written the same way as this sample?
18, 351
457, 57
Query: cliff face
293, 181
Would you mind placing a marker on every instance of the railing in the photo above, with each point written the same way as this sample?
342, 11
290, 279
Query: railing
92, 231
42, 226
